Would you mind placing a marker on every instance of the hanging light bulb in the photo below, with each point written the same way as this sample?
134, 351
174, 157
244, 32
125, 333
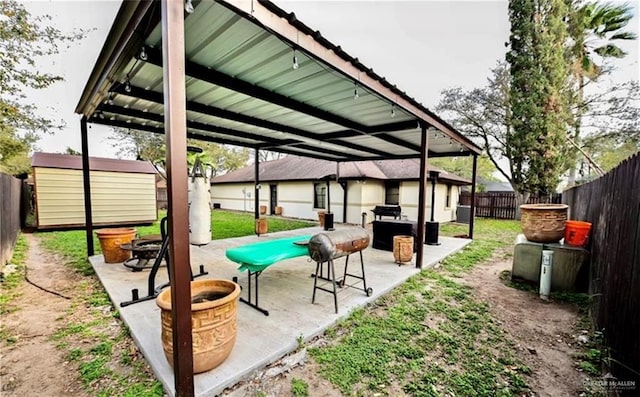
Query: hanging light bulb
127, 85
110, 100
393, 110
101, 115
143, 54
188, 6
355, 91
295, 60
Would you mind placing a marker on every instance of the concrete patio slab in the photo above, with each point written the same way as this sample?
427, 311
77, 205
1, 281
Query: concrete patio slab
285, 290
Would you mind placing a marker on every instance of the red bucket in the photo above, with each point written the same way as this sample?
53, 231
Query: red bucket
576, 233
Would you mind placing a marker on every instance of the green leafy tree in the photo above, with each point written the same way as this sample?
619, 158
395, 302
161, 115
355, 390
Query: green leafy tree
24, 39
72, 151
538, 97
222, 158
463, 166
144, 145
613, 116
141, 145
482, 114
607, 152
595, 30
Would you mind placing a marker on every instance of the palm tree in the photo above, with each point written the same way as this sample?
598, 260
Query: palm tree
595, 29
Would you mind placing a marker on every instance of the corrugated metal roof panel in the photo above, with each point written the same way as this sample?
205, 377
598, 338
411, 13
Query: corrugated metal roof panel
239, 64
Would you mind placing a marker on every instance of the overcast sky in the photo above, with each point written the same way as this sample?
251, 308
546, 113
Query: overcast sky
422, 47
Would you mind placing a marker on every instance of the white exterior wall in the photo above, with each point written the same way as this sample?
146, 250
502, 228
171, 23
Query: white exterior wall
230, 196
409, 201
296, 199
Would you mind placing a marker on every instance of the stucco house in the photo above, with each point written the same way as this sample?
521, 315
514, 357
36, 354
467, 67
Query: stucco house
299, 186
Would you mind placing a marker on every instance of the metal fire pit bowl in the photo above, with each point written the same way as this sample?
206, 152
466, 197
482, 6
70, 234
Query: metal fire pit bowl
143, 251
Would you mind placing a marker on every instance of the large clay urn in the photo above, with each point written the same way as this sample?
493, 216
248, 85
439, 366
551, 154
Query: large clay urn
543, 223
214, 305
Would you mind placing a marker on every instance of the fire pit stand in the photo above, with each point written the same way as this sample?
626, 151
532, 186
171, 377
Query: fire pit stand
143, 250
163, 254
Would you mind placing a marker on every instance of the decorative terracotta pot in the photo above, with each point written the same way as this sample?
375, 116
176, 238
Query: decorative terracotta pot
321, 217
543, 223
278, 210
214, 305
263, 209
402, 248
111, 240
262, 226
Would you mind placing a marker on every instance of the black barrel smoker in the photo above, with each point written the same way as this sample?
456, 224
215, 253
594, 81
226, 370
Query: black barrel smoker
325, 247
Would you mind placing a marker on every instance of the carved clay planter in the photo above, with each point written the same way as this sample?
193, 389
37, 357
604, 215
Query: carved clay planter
262, 226
278, 210
321, 215
544, 223
402, 249
214, 305
263, 209
111, 240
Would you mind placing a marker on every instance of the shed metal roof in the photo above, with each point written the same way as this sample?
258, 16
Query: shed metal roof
242, 87
295, 168
67, 161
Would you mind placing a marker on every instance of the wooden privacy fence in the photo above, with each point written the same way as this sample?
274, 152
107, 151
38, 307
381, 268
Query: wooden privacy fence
612, 204
10, 197
501, 205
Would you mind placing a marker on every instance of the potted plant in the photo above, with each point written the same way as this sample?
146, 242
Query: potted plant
543, 223
214, 305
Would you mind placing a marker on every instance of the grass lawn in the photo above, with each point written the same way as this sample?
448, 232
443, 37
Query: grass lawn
429, 337
225, 224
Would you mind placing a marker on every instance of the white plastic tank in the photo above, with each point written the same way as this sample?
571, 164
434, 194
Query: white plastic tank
199, 196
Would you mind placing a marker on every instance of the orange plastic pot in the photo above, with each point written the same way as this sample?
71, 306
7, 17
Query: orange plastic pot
111, 240
576, 233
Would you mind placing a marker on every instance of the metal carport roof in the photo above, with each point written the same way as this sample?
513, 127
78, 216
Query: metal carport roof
254, 76
242, 88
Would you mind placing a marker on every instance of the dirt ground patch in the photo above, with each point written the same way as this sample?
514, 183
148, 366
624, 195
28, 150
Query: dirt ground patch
544, 332
31, 364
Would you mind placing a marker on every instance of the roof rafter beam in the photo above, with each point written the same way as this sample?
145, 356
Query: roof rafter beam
213, 76
139, 114
262, 141
451, 154
158, 98
390, 127
160, 130
399, 142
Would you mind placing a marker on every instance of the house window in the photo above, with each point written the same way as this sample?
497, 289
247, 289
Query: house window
392, 193
319, 195
448, 200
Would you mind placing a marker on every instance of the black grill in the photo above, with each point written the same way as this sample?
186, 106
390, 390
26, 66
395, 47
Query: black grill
387, 210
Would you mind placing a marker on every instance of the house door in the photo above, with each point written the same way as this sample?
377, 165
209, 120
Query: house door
273, 198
